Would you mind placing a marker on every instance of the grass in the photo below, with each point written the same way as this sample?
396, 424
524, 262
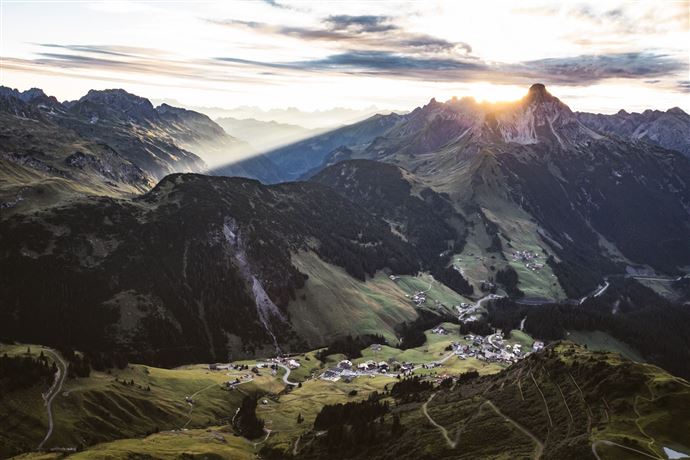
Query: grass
435, 291
653, 415
524, 339
281, 415
334, 304
601, 341
518, 232
100, 408
209, 443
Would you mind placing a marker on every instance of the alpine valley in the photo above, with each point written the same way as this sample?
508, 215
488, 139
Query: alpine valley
463, 280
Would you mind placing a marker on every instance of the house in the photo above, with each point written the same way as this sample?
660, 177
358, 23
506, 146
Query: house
383, 365
331, 376
345, 364
537, 345
439, 330
362, 366
292, 364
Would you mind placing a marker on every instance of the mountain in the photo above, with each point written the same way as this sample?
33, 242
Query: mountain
264, 135
540, 177
107, 143
421, 216
565, 402
300, 158
197, 269
669, 129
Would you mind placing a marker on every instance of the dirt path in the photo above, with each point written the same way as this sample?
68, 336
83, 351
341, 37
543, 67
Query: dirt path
611, 443
546, 405
190, 401
54, 390
444, 432
539, 448
295, 449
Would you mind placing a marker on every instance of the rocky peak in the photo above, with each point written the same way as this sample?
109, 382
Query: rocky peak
538, 117
537, 93
116, 103
677, 111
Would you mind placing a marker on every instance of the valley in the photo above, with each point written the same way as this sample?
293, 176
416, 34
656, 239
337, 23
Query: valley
555, 380
458, 274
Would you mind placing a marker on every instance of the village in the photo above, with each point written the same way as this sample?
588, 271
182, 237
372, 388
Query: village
529, 259
492, 348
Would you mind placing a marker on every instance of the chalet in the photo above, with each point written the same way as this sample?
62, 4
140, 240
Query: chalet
345, 364
292, 364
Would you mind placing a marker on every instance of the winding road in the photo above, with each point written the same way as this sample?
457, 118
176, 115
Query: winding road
286, 375
54, 390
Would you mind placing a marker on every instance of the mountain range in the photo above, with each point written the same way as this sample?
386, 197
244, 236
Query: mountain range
433, 245
457, 189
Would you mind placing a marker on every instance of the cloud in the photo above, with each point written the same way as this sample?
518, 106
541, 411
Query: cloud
367, 24
683, 86
588, 69
570, 71
368, 32
151, 63
146, 63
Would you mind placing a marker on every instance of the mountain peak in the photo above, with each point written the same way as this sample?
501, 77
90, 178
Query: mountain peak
677, 111
538, 93
116, 102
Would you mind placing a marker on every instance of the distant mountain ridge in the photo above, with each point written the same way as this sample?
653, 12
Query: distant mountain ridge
128, 143
669, 129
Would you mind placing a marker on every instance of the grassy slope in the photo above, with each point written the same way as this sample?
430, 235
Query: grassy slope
601, 341
567, 400
98, 409
435, 291
335, 304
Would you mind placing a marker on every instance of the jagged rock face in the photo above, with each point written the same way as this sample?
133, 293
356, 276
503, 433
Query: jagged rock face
539, 117
670, 129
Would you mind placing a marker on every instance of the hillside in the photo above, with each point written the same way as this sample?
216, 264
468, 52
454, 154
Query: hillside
533, 162
564, 402
423, 217
198, 268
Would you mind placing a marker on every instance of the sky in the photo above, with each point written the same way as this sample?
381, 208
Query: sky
599, 56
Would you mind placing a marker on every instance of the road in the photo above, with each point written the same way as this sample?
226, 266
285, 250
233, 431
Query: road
54, 390
444, 432
286, 375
